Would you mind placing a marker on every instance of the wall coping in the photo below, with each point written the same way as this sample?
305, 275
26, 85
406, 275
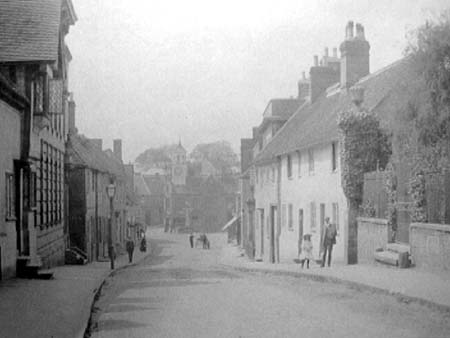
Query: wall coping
431, 226
381, 221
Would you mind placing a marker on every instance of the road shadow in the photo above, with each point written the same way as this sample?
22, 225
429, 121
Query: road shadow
117, 324
121, 308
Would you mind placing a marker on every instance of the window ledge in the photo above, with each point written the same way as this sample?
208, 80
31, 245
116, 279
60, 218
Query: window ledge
10, 218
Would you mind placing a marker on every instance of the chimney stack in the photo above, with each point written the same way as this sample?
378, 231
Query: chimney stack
117, 148
354, 56
357, 95
71, 118
335, 52
325, 52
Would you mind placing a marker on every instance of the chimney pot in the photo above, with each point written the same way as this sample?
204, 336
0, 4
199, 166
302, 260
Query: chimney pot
316, 61
335, 52
349, 30
360, 31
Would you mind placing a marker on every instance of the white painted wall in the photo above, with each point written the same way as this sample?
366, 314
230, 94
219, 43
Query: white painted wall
321, 186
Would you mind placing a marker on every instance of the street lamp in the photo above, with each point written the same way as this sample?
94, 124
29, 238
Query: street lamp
111, 191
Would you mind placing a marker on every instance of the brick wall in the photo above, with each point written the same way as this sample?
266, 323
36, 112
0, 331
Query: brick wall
373, 233
430, 246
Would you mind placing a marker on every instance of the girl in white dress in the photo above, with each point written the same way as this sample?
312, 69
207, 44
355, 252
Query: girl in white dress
307, 251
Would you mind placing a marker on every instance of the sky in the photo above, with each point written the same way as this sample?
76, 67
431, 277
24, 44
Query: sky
155, 72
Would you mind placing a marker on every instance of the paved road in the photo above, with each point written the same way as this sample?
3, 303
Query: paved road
183, 292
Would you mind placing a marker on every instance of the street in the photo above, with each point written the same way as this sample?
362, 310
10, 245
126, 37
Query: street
182, 292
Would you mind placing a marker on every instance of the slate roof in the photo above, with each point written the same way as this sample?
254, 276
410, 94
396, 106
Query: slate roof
29, 30
83, 152
386, 91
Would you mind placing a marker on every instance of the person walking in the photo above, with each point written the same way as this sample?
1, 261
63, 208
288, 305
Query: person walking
143, 247
328, 240
191, 240
130, 249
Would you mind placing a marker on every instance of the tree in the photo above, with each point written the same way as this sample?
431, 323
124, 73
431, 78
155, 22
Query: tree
429, 122
219, 153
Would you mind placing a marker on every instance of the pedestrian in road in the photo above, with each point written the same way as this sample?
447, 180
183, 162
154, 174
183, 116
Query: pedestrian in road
205, 242
307, 251
130, 249
191, 240
143, 246
328, 240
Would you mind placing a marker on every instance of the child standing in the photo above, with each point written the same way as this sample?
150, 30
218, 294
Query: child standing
307, 251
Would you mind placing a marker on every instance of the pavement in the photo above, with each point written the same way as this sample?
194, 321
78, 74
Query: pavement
406, 284
59, 307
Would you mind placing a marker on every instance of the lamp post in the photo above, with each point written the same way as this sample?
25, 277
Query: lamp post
111, 191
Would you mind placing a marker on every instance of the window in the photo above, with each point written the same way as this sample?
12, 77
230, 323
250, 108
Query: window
289, 166
333, 156
283, 215
313, 216
290, 217
299, 164
335, 216
273, 173
311, 161
10, 196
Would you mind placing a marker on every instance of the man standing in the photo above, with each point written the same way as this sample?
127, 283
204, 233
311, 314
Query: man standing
130, 249
191, 240
328, 240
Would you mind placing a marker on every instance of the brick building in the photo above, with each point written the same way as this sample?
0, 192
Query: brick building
35, 58
89, 171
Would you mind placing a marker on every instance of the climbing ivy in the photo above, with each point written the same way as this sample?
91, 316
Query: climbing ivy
417, 193
364, 148
391, 191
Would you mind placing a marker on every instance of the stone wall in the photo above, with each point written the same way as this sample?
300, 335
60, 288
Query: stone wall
430, 246
373, 233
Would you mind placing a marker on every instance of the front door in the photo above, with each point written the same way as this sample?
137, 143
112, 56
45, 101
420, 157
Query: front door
273, 218
261, 222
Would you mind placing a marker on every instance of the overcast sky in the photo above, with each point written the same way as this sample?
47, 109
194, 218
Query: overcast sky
152, 72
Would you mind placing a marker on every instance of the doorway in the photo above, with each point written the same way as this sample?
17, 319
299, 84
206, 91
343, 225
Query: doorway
273, 217
300, 230
322, 220
261, 223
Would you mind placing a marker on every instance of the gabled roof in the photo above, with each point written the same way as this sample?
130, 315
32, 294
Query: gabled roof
155, 184
385, 93
83, 152
29, 29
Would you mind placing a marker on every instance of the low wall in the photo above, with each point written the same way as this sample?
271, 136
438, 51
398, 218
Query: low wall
373, 233
430, 246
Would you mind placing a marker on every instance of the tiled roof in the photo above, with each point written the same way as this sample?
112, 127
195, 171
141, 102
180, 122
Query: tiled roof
386, 91
29, 30
284, 108
83, 152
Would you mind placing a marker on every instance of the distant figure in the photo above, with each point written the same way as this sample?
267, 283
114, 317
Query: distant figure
328, 240
130, 249
205, 242
307, 251
191, 240
143, 246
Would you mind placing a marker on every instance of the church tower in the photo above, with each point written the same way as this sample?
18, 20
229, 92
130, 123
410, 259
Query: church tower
179, 165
